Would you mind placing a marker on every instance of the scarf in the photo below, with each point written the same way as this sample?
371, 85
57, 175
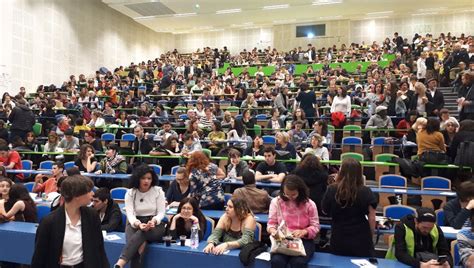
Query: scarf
112, 163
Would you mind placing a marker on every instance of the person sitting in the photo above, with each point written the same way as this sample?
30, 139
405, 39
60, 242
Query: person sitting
297, 135
145, 205
166, 132
10, 159
187, 215
215, 137
258, 199
5, 185
113, 163
191, 145
69, 143
317, 149
235, 228
465, 239
275, 123
141, 145
294, 208
236, 167
178, 189
270, 169
430, 139
109, 211
457, 212
451, 128
284, 149
256, 149
419, 241
380, 119
86, 162
89, 138
48, 184
19, 206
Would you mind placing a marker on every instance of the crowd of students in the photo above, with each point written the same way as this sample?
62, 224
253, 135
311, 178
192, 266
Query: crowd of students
404, 95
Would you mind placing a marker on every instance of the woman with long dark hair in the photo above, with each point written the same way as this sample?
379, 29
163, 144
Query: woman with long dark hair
294, 207
430, 138
19, 206
315, 175
352, 208
86, 161
187, 215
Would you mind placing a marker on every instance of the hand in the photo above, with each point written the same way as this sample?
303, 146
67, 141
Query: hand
428, 263
194, 219
39, 179
151, 224
144, 227
424, 100
220, 249
273, 232
91, 156
470, 205
299, 233
209, 248
98, 172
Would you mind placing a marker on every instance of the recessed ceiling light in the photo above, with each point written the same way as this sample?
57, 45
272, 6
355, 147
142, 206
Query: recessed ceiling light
330, 17
380, 13
326, 2
425, 13
180, 15
276, 7
228, 11
431, 9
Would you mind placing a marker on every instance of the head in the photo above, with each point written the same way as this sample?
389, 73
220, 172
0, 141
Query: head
234, 156
112, 150
465, 191
4, 151
216, 126
58, 168
238, 208
188, 139
198, 160
425, 220
275, 113
349, 180
19, 192
101, 199
419, 124
293, 188
299, 125
89, 136
181, 176
69, 135
53, 137
381, 111
188, 207
143, 178
77, 189
444, 114
248, 177
86, 151
139, 132
310, 162
5, 185
432, 125
270, 154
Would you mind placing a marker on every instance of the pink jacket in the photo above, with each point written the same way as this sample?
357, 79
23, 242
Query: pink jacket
297, 218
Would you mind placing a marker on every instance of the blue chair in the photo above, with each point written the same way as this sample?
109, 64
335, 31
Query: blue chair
455, 253
183, 117
107, 138
391, 181
261, 117
46, 165
129, 137
118, 194
124, 221
209, 227
95, 189
378, 141
42, 211
398, 211
156, 168
174, 170
351, 144
258, 232
27, 165
435, 183
269, 140
238, 117
440, 217
227, 197
69, 164
29, 186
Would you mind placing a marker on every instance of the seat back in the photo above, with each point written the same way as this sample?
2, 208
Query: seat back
381, 169
42, 211
207, 152
356, 156
209, 227
68, 165
380, 146
271, 140
440, 217
27, 165
227, 197
37, 128
435, 183
46, 165
258, 232
174, 170
124, 221
398, 211
352, 130
156, 168
392, 181
455, 252
128, 137
352, 144
29, 186
118, 194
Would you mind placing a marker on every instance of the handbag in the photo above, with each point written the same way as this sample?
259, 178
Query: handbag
283, 242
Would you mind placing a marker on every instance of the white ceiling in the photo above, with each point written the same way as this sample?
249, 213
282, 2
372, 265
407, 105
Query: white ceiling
184, 16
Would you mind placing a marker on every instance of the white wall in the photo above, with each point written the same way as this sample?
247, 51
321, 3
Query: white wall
338, 32
44, 41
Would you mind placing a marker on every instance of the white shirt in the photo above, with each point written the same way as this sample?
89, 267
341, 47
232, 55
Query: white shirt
150, 203
72, 243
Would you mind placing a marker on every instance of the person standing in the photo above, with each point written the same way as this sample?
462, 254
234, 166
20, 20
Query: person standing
71, 236
22, 120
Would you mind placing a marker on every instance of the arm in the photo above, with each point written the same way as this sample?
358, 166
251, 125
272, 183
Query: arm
129, 209
443, 247
90, 166
161, 206
371, 218
466, 250
278, 178
401, 251
115, 219
122, 168
220, 173
314, 227
273, 219
249, 225
457, 219
18, 206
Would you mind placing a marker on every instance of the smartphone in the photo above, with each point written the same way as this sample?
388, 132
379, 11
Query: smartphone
442, 259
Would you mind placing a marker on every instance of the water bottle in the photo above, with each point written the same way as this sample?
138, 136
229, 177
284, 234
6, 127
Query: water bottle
329, 138
194, 236
404, 139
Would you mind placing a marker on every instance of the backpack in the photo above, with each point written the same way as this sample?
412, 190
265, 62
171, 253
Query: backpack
465, 154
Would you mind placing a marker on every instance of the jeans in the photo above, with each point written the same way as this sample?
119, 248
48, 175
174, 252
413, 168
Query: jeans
281, 261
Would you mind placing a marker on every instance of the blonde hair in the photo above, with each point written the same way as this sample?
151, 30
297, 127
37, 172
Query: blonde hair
420, 87
284, 135
419, 123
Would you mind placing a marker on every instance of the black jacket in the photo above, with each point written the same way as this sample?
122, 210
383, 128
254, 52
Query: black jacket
50, 236
459, 137
401, 251
317, 182
437, 100
21, 118
112, 218
145, 147
428, 106
454, 215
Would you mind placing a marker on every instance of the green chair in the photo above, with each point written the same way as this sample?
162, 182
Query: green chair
233, 110
352, 130
37, 128
356, 156
207, 152
384, 169
258, 130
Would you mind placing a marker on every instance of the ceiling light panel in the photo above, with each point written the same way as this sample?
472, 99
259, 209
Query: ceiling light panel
276, 7
228, 11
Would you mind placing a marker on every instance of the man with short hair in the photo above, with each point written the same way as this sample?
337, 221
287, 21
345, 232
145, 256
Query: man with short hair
380, 119
270, 169
22, 120
109, 211
166, 132
237, 167
69, 143
10, 159
48, 184
436, 95
457, 212
419, 241
190, 145
258, 199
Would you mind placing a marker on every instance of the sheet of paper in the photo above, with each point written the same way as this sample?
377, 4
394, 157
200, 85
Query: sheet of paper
33, 195
400, 191
264, 256
363, 263
449, 229
112, 237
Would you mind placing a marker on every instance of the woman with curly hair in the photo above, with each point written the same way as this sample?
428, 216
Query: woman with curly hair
204, 179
